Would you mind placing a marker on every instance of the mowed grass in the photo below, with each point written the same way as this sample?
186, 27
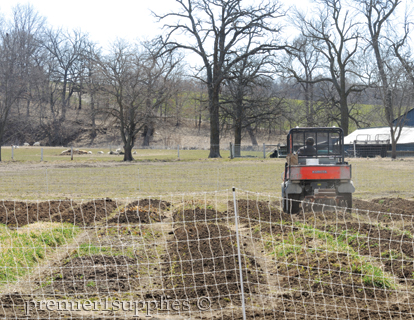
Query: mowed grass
21, 250
383, 177
158, 172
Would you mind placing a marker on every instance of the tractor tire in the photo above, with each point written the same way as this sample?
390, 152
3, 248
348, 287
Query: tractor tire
291, 204
347, 200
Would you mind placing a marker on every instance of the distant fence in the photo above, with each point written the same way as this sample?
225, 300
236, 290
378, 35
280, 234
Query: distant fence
40, 153
363, 149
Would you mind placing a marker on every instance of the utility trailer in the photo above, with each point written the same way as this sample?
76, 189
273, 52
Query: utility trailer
315, 172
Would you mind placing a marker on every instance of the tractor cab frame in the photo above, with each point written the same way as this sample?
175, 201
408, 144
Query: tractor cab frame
316, 171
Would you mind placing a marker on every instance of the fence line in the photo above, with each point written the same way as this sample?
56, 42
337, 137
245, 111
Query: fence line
204, 255
372, 178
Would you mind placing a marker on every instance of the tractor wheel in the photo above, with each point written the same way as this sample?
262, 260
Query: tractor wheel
291, 203
347, 200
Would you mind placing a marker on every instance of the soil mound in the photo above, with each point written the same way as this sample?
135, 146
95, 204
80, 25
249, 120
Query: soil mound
95, 274
18, 214
198, 214
202, 261
389, 205
87, 214
12, 306
142, 211
261, 211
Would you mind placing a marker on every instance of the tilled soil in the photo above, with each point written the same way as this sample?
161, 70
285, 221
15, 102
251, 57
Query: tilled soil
142, 211
198, 214
12, 306
95, 274
310, 281
18, 214
389, 205
87, 214
202, 262
259, 211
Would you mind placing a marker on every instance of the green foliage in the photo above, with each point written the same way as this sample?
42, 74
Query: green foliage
23, 249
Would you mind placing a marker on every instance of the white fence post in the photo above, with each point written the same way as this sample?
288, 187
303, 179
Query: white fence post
239, 254
178, 151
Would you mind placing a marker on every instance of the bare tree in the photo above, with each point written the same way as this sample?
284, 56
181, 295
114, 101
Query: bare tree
216, 29
90, 82
335, 35
378, 15
138, 85
64, 67
402, 49
248, 97
306, 55
24, 30
18, 47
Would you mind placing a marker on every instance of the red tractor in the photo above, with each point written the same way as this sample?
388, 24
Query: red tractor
316, 173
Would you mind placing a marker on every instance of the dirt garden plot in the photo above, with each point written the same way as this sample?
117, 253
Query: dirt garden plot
202, 262
198, 214
142, 211
18, 214
342, 264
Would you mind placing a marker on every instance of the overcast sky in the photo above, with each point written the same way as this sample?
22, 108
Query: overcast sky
106, 20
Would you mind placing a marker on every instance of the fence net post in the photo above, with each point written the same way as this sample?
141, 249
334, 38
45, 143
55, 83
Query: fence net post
239, 254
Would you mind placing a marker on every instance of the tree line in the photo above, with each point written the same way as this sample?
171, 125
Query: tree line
260, 66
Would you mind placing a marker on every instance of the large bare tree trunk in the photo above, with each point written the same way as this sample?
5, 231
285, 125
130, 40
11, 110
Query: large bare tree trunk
252, 136
344, 114
128, 150
148, 132
214, 124
237, 138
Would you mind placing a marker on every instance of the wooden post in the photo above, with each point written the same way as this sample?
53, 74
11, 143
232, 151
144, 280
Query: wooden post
12, 152
71, 153
231, 151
